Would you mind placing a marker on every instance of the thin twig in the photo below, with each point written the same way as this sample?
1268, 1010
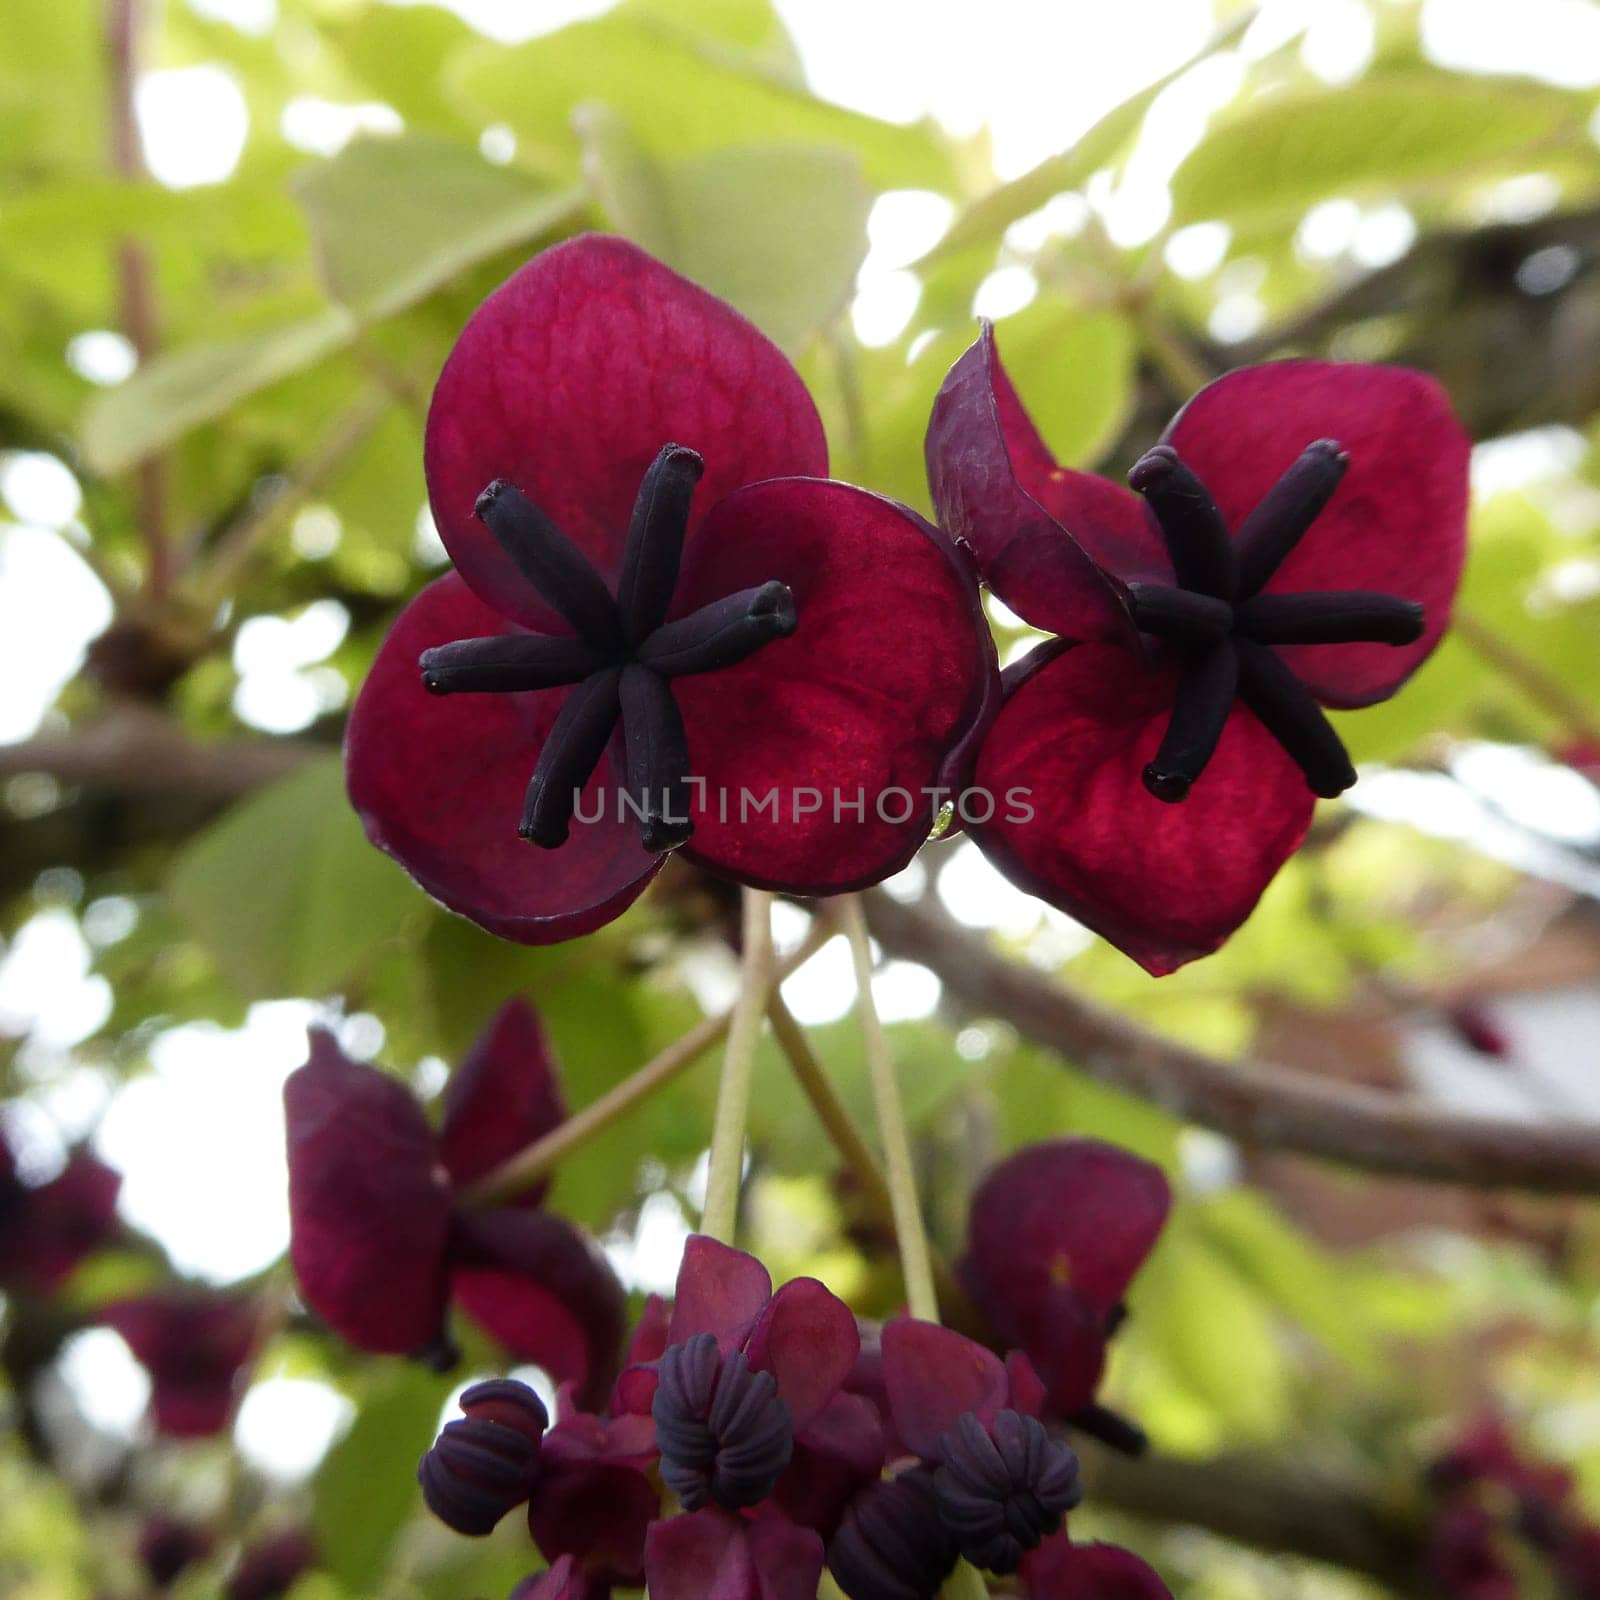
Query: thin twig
915, 1263
719, 1217
1546, 690
534, 1161
137, 749
954, 1304
1261, 1105
237, 546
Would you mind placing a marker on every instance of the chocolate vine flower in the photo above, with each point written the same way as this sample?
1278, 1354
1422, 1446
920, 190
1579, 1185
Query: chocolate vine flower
564, 1580
46, 1229
379, 1241
715, 1555
168, 1545
746, 1374
1055, 1236
197, 1346
1294, 541
270, 1568
1001, 1483
665, 627
1061, 1570
596, 1498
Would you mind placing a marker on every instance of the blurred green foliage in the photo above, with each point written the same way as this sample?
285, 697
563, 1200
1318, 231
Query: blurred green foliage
304, 306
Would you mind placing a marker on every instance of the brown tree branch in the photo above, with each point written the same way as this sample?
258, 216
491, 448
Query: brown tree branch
135, 749
1258, 1105
1271, 1504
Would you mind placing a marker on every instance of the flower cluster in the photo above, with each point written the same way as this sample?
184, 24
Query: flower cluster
47, 1229
663, 610
661, 607
196, 1344
753, 1437
381, 1241
1294, 541
1502, 1510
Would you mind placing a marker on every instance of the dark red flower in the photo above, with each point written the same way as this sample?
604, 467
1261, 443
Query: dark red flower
657, 592
269, 1569
1054, 1238
47, 1229
1477, 1027
1296, 539
196, 1345
167, 1545
378, 1241
596, 1500
747, 1375
715, 1555
565, 1580
1001, 1483
1487, 1453
1061, 1570
1463, 1555
1579, 1565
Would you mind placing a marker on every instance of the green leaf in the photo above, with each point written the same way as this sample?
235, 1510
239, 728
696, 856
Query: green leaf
1291, 1271
683, 97
987, 219
779, 231
285, 892
395, 219
1075, 372
1213, 1334
177, 392
1386, 135
397, 54
751, 27
360, 1503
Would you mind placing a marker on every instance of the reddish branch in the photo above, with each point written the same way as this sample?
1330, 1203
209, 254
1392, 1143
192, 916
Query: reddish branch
1257, 1104
135, 284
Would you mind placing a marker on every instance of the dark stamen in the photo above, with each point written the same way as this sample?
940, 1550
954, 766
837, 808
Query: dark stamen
1206, 687
1111, 1428
722, 633
572, 751
1289, 507
658, 758
551, 562
1191, 525
439, 1354
507, 663
1293, 718
1335, 616
655, 540
1179, 613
